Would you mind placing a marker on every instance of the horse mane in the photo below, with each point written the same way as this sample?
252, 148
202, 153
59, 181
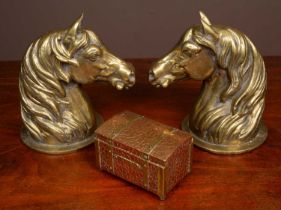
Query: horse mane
44, 73
244, 92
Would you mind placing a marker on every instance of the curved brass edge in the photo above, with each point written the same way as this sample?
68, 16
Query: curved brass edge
222, 149
29, 141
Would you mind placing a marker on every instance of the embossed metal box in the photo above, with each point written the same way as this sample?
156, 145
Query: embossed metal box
144, 152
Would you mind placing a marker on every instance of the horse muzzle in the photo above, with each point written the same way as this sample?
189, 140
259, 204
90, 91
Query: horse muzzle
159, 74
124, 78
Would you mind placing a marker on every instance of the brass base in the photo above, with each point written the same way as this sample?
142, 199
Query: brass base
28, 140
240, 147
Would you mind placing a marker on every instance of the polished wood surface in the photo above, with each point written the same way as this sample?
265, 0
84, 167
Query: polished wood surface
31, 180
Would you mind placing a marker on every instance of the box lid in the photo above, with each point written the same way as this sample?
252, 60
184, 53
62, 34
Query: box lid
112, 127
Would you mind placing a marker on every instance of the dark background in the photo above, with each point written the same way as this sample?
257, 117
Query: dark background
136, 28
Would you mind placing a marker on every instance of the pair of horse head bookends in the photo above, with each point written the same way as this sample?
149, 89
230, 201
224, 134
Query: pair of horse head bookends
226, 119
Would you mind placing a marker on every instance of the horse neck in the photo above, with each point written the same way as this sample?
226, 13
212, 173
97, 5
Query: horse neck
244, 107
72, 104
211, 91
78, 104
48, 100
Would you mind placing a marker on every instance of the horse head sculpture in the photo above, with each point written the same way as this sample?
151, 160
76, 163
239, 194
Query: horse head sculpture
227, 117
57, 116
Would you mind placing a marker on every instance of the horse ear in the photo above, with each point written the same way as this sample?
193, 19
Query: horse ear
73, 31
188, 34
207, 26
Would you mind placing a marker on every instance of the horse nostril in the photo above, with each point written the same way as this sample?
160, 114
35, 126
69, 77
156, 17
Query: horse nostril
132, 78
151, 76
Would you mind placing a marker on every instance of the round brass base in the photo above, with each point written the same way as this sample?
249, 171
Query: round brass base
240, 147
28, 140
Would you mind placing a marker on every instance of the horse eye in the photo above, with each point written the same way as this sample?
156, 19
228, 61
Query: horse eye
190, 49
92, 53
186, 52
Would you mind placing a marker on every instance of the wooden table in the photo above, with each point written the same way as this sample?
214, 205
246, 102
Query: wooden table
31, 180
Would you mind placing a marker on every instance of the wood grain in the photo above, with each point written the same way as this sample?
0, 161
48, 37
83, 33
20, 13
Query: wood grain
31, 180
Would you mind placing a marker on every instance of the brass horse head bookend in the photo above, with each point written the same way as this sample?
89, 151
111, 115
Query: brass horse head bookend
57, 116
227, 117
